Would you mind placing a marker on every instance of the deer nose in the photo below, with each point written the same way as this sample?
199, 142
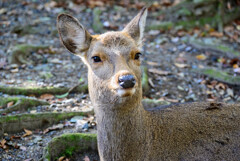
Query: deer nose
127, 81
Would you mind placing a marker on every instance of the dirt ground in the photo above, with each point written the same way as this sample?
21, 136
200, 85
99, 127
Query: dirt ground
167, 55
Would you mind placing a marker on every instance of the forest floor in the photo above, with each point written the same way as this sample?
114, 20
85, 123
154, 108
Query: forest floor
170, 57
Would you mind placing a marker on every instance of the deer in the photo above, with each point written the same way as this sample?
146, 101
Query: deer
127, 131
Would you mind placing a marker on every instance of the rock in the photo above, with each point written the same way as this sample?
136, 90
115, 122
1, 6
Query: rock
189, 48
230, 92
76, 118
175, 39
181, 47
14, 70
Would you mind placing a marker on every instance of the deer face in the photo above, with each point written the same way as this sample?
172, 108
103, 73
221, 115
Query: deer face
113, 58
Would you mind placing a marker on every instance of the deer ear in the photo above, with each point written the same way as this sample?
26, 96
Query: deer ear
136, 26
72, 34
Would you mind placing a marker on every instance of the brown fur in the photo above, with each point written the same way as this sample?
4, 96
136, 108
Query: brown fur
127, 131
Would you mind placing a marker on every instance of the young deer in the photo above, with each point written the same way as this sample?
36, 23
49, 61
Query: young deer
127, 131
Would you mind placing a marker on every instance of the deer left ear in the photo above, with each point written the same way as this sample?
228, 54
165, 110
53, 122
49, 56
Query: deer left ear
135, 28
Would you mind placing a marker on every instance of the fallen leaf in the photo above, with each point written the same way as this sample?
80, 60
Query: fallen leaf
151, 63
216, 34
27, 133
159, 72
235, 66
220, 86
181, 65
61, 158
151, 82
46, 96
201, 57
86, 158
14, 70
3, 142
15, 137
54, 127
9, 104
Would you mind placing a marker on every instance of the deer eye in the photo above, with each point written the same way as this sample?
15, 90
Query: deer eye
96, 59
137, 56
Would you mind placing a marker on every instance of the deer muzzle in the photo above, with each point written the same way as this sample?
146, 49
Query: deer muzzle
127, 81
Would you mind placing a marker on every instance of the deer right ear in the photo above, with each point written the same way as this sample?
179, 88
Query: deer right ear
72, 34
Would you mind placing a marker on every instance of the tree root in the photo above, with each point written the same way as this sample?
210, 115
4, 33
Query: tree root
152, 103
19, 104
37, 91
218, 48
14, 124
220, 76
18, 55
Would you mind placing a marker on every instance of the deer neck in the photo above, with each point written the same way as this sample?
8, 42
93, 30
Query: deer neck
118, 133
118, 129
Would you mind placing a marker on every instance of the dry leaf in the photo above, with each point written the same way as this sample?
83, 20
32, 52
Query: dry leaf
220, 86
201, 57
216, 34
235, 66
61, 158
27, 133
151, 82
181, 65
86, 158
54, 127
3, 142
151, 63
9, 104
46, 96
159, 72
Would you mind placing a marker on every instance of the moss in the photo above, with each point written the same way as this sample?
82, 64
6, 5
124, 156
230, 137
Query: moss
5, 100
69, 151
67, 144
54, 116
39, 90
20, 103
162, 26
184, 12
219, 75
227, 49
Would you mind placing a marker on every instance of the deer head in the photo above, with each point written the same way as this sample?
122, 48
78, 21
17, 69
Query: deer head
113, 58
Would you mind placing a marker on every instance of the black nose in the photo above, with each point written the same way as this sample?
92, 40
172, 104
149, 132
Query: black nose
127, 81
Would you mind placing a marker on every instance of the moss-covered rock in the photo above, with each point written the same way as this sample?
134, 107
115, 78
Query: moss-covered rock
14, 124
67, 144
